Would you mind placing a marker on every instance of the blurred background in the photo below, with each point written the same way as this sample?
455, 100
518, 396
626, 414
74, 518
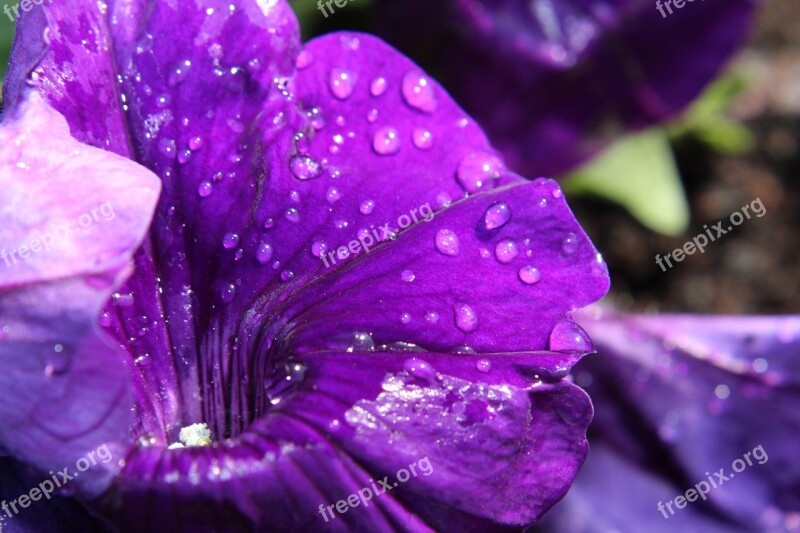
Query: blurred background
739, 141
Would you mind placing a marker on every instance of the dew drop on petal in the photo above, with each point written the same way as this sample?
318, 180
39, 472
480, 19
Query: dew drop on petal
405, 318
529, 274
318, 248
179, 73
333, 195
386, 141
431, 317
230, 240
228, 292
304, 167
407, 275
292, 215
287, 275
205, 189
361, 342
466, 319
567, 336
506, 250
418, 92
569, 245
372, 116
447, 242
378, 86
420, 369
497, 216
423, 139
484, 365
367, 207
263, 253
342, 83
478, 169
304, 59
195, 143
557, 192
269, 223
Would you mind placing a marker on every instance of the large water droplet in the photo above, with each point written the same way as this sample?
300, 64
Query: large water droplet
378, 86
420, 369
418, 92
506, 250
447, 242
570, 244
423, 139
466, 319
567, 336
367, 207
497, 216
361, 342
230, 240
342, 83
529, 274
478, 169
305, 167
263, 253
386, 141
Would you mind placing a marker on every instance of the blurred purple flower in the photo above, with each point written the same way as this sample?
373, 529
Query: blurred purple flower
449, 340
552, 82
678, 397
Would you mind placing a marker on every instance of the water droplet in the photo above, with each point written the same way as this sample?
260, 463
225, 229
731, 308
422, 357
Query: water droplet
333, 195
447, 242
420, 369
418, 92
372, 116
423, 139
305, 167
269, 223
405, 318
179, 73
484, 365
567, 336
230, 240
367, 207
529, 274
304, 59
478, 169
570, 244
506, 250
466, 319
184, 156
407, 275
163, 100
557, 192
432, 317
205, 189
722, 392
378, 86
386, 141
295, 197
497, 216
318, 248
228, 292
195, 143
292, 215
342, 83
104, 319
361, 342
444, 200
263, 253
167, 147
287, 275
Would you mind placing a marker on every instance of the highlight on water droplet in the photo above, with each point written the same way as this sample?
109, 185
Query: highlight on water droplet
342, 83
529, 274
466, 319
447, 242
478, 169
386, 141
506, 250
422, 138
418, 91
305, 167
497, 216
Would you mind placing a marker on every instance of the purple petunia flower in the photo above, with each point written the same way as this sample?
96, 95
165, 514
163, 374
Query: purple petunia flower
553, 82
340, 278
681, 400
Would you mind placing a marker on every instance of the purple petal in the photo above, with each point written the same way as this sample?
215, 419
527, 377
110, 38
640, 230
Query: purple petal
676, 397
72, 216
553, 82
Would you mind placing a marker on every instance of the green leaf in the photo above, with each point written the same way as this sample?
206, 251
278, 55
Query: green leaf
639, 173
6, 34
